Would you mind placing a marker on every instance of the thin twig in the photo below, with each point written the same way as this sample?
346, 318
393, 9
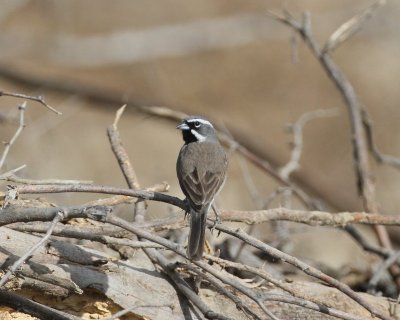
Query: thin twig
373, 148
136, 306
311, 305
360, 239
297, 129
350, 27
385, 265
14, 178
21, 108
59, 216
124, 162
32, 98
120, 152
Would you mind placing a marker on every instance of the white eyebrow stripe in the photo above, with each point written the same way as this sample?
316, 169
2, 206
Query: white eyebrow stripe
201, 121
198, 136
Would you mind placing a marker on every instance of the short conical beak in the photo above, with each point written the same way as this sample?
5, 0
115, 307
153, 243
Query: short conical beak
182, 126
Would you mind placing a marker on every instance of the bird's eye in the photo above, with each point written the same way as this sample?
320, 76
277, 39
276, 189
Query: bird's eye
197, 124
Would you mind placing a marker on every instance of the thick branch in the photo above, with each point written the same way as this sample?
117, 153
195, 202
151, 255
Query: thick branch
313, 218
142, 194
16, 214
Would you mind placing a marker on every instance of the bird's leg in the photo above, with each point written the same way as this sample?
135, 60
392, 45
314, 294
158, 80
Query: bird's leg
187, 208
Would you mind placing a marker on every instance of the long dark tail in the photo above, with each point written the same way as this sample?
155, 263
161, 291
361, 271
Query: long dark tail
198, 221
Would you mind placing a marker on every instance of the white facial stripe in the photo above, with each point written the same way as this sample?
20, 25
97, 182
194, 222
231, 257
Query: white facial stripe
201, 121
198, 136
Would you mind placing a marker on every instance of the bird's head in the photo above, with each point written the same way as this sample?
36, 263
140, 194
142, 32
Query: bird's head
196, 129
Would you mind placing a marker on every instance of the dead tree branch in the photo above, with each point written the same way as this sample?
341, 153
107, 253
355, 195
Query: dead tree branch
120, 152
313, 218
373, 148
385, 265
38, 99
141, 194
350, 27
14, 214
10, 176
21, 108
297, 129
124, 162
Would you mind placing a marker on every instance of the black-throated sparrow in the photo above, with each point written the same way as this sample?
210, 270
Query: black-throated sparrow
201, 170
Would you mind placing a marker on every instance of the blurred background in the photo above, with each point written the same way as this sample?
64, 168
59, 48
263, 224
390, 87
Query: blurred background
226, 60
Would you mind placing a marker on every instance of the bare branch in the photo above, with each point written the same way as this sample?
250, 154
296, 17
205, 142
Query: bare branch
385, 265
142, 194
15, 214
136, 306
311, 305
373, 148
27, 97
119, 199
10, 176
314, 218
297, 129
120, 152
21, 127
124, 162
351, 26
360, 239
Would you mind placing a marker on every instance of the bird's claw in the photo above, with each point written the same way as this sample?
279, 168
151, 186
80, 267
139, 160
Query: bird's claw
215, 222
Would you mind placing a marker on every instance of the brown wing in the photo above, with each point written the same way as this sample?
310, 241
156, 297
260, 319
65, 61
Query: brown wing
201, 173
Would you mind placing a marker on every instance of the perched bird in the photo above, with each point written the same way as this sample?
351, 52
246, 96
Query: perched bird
201, 169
